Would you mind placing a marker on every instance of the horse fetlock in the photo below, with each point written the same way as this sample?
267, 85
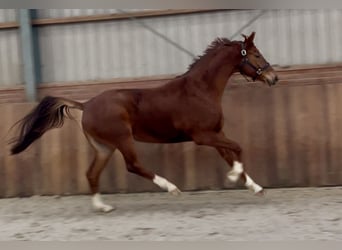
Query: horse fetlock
233, 177
234, 174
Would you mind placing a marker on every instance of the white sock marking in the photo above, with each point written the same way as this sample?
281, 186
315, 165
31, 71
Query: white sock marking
250, 184
234, 174
99, 205
164, 184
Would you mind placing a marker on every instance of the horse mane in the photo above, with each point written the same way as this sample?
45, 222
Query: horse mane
218, 42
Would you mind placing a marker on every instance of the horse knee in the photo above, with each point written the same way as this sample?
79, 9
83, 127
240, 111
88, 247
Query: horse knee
228, 156
238, 150
92, 178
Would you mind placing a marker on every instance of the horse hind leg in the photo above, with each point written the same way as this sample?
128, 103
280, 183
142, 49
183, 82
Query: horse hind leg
102, 155
126, 147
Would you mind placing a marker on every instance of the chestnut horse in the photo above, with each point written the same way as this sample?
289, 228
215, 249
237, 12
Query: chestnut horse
187, 108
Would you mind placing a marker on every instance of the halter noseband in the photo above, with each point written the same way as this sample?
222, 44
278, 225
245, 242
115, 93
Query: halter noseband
258, 71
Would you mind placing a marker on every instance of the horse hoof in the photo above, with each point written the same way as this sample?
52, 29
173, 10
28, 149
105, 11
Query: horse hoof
175, 192
261, 193
106, 209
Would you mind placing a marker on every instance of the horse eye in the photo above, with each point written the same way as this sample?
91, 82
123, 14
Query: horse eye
257, 56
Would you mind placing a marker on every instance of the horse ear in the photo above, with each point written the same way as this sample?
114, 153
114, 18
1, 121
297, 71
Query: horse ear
249, 40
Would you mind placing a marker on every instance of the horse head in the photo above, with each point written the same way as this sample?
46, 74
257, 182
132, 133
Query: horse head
253, 64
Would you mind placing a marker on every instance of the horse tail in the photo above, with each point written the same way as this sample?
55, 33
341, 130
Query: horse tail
48, 114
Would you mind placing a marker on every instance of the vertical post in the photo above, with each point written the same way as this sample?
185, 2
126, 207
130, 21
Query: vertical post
36, 49
29, 54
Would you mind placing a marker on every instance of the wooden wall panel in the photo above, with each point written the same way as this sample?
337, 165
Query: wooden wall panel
291, 136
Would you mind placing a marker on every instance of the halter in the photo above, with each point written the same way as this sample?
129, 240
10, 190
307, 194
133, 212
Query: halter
258, 71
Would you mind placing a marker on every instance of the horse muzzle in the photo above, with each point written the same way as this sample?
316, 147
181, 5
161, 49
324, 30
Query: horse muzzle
270, 78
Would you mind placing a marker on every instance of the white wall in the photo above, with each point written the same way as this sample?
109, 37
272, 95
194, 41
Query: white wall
123, 48
10, 58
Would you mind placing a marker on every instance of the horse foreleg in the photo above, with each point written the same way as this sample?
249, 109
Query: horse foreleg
231, 152
126, 147
237, 172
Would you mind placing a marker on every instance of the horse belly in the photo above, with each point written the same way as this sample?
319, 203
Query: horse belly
159, 134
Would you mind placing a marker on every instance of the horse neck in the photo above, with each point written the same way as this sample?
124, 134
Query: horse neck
212, 76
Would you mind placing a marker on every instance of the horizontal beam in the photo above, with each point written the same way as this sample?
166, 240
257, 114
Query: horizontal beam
105, 17
9, 25
115, 16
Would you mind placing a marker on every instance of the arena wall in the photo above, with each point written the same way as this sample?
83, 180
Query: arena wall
290, 134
